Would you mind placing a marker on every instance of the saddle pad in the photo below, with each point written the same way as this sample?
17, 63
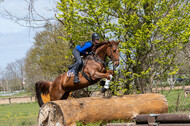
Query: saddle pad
71, 72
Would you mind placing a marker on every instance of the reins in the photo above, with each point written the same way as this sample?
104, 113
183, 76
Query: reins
97, 60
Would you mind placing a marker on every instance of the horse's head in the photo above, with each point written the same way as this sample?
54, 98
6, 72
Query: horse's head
113, 52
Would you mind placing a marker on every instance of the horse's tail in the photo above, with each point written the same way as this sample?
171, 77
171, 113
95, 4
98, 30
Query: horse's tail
42, 92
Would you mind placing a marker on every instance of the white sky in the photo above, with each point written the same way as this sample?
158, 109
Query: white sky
16, 40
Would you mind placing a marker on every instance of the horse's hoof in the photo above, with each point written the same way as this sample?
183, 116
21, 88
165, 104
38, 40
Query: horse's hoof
102, 83
103, 90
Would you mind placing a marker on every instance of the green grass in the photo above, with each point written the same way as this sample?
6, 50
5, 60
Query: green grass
172, 98
100, 123
24, 114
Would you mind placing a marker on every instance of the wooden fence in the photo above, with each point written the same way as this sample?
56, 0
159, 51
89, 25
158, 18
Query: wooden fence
11, 100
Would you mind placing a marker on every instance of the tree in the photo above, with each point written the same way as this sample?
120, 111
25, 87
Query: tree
13, 76
34, 17
2, 84
152, 33
184, 57
49, 56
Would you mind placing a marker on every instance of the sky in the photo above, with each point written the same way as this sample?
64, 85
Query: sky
16, 40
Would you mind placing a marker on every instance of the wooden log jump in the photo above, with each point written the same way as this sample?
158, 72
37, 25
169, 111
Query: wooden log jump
94, 109
163, 119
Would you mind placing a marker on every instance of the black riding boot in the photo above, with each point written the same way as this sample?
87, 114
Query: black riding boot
76, 77
69, 66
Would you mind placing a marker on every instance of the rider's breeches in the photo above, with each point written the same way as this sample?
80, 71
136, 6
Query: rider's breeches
76, 54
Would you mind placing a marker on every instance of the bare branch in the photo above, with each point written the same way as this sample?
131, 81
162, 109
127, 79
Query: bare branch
32, 19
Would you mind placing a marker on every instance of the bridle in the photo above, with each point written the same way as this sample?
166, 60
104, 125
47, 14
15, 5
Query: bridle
98, 60
112, 58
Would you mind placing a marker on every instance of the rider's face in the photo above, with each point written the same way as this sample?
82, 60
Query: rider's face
96, 40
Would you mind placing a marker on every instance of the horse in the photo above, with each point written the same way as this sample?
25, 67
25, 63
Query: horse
94, 69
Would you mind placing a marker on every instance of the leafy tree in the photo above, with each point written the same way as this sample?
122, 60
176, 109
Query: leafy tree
155, 32
49, 56
184, 57
152, 33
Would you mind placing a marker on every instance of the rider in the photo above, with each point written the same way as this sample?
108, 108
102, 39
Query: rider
83, 49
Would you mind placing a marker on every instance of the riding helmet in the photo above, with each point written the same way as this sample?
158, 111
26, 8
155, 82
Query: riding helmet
95, 36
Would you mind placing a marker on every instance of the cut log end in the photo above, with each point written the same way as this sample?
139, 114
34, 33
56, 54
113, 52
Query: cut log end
50, 114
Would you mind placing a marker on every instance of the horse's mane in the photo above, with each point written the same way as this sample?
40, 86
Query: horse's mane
97, 45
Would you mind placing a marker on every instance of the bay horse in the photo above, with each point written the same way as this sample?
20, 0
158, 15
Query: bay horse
93, 70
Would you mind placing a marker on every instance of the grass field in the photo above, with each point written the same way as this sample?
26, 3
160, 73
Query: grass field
19, 114
176, 98
26, 114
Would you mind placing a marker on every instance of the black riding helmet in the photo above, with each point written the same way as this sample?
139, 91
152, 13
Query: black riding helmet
95, 36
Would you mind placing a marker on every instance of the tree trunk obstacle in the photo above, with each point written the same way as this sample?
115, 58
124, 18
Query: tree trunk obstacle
163, 119
94, 109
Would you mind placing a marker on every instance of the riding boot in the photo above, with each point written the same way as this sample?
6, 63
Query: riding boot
76, 77
69, 66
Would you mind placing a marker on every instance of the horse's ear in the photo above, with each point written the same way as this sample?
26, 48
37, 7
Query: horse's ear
117, 43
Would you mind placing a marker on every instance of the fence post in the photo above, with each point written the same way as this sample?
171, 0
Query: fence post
31, 99
9, 100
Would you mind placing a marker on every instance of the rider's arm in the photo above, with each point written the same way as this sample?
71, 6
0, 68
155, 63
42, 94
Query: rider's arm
85, 47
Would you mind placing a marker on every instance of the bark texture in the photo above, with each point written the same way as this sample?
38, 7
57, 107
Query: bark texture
93, 109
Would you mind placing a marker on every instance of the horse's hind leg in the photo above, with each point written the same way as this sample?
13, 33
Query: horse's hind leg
66, 95
56, 94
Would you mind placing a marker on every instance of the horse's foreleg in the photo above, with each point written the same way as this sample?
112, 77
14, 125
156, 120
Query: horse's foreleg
111, 72
107, 82
99, 75
107, 75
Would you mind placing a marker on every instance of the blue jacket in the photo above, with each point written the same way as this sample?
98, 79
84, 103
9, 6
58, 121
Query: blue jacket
84, 47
